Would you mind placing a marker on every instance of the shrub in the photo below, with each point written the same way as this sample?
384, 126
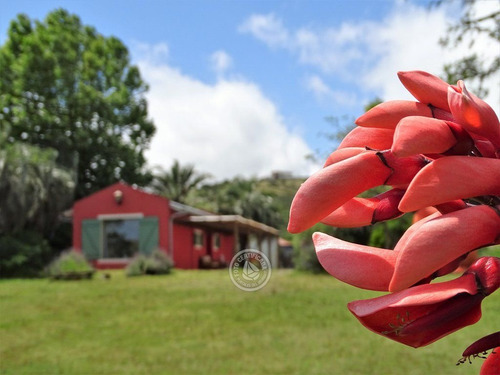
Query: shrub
158, 263
304, 255
137, 266
70, 265
24, 254
305, 259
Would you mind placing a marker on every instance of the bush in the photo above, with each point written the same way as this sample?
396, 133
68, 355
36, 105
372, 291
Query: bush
70, 265
158, 263
24, 254
305, 259
137, 266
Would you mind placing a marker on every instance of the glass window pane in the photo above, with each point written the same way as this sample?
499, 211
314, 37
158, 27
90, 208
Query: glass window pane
216, 241
197, 238
121, 238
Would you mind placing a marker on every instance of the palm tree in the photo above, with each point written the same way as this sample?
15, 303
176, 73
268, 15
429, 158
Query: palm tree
178, 181
34, 190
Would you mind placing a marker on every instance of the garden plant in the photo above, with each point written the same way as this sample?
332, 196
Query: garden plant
70, 265
440, 151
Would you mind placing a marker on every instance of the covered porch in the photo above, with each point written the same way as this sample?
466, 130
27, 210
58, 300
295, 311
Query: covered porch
246, 233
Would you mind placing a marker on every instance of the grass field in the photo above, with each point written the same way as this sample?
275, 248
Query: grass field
197, 322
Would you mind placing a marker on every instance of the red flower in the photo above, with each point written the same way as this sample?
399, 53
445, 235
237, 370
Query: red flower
473, 113
441, 155
332, 186
423, 314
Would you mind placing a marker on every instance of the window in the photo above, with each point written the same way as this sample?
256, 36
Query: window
121, 238
216, 241
198, 238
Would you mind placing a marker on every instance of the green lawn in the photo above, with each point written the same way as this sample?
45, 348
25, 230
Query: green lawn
197, 322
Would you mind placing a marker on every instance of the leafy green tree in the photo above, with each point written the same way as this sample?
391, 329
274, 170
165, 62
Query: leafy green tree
177, 182
242, 197
466, 30
65, 86
24, 254
34, 190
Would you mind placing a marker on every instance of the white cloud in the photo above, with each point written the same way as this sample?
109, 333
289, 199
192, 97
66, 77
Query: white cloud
226, 129
369, 53
324, 93
220, 62
154, 53
267, 28
317, 86
406, 42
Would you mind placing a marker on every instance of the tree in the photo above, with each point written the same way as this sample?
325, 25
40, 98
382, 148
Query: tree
242, 197
466, 30
34, 190
65, 86
177, 182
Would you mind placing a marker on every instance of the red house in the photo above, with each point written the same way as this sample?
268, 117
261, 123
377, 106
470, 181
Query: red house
117, 222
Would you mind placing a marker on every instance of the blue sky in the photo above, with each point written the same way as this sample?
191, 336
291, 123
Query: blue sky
243, 87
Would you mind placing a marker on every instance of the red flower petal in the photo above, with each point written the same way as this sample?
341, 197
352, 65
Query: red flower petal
426, 88
356, 212
388, 114
373, 138
450, 178
491, 365
422, 314
329, 188
422, 135
487, 272
473, 113
362, 266
359, 212
342, 154
425, 251
483, 344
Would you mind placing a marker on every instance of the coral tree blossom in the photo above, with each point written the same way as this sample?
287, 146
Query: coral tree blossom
439, 157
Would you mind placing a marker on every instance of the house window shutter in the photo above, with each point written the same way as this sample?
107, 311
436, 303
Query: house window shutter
91, 239
148, 235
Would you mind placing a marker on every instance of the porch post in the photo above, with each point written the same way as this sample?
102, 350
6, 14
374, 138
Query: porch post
236, 234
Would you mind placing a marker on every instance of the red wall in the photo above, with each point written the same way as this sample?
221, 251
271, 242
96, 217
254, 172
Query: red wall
134, 201
188, 257
225, 252
185, 255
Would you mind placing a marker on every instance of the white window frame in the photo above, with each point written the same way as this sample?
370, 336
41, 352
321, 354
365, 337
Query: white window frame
216, 241
198, 232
